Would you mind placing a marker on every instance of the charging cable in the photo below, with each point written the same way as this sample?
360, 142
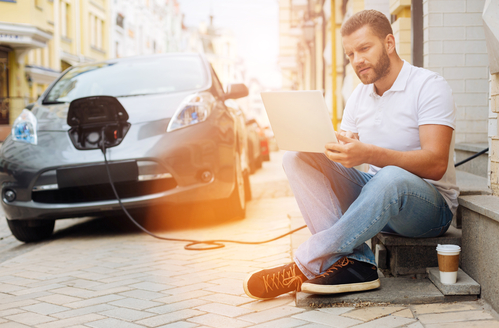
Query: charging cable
193, 244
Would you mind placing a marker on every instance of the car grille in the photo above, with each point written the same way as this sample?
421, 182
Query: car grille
102, 192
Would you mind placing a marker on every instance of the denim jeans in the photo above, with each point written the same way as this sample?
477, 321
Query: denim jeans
345, 207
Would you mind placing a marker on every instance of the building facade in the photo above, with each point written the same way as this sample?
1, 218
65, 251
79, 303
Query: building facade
41, 38
144, 27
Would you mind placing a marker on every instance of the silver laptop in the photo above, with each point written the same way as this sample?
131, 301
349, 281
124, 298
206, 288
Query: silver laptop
300, 120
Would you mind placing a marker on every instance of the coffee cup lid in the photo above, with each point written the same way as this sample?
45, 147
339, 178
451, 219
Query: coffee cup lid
448, 248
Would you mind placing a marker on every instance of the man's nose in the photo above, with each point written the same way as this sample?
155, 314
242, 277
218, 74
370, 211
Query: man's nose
358, 60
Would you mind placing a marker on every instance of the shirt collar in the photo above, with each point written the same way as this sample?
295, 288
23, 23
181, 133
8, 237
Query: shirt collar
399, 84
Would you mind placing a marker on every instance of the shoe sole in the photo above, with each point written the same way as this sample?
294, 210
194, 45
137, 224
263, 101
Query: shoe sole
336, 289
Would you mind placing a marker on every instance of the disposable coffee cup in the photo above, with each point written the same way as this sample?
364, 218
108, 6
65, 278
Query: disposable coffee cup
448, 263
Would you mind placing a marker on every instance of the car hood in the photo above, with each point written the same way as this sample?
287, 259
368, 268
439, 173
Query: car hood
139, 108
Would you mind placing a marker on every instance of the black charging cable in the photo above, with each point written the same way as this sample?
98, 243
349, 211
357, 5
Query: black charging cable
192, 246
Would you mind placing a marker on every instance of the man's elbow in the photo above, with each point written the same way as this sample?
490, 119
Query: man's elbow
438, 170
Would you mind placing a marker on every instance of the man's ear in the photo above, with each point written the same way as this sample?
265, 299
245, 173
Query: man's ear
390, 44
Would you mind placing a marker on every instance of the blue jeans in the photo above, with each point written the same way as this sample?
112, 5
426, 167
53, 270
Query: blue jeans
344, 207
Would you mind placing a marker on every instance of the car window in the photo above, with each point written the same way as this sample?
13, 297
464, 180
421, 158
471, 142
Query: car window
130, 78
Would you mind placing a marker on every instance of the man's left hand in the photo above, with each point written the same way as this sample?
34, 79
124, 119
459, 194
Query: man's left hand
349, 152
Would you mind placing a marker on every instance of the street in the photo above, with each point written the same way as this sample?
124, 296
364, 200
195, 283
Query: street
97, 272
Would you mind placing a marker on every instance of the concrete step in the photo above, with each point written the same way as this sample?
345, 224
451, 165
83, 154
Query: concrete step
465, 285
401, 256
402, 290
477, 166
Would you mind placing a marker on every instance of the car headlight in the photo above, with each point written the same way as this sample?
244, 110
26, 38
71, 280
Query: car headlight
194, 109
24, 128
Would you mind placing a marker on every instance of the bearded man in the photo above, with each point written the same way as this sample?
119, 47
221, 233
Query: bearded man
400, 121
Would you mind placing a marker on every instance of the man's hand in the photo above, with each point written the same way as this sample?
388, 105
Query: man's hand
349, 151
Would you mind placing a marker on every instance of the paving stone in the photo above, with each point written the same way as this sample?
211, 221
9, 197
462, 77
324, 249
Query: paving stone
153, 287
29, 318
269, 304
416, 325
169, 317
466, 324
227, 289
142, 294
371, 313
453, 317
227, 299
13, 325
72, 321
135, 303
336, 310
271, 314
172, 307
59, 299
5, 313
45, 308
183, 297
218, 321
387, 322
180, 324
281, 323
407, 313
327, 319
126, 314
223, 309
445, 307
112, 323
82, 311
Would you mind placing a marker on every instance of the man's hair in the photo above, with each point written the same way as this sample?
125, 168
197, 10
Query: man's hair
377, 22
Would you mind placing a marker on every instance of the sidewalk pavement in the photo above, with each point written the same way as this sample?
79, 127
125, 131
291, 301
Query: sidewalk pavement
92, 277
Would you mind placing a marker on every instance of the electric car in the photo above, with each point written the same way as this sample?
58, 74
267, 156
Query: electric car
185, 143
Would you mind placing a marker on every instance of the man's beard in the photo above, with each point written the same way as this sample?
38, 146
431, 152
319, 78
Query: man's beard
381, 69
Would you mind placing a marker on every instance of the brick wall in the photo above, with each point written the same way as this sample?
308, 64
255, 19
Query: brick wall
454, 47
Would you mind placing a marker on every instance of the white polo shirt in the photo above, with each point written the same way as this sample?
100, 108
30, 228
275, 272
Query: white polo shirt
417, 97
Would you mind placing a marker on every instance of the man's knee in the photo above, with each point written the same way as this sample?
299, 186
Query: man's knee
394, 176
294, 159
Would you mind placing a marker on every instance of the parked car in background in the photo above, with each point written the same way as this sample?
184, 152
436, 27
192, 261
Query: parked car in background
184, 144
264, 143
254, 144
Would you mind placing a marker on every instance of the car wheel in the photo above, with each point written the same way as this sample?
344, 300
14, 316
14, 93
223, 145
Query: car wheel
259, 161
247, 188
31, 230
235, 205
252, 160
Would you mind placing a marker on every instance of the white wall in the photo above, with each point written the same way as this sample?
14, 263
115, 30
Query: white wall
454, 47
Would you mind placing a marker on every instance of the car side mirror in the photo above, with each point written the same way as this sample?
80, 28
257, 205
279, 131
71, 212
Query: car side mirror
236, 90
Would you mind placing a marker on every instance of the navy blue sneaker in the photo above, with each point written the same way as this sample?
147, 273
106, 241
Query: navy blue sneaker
346, 275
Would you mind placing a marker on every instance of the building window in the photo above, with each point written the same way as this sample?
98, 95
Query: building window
120, 20
96, 30
65, 19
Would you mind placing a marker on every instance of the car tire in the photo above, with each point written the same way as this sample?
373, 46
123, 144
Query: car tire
247, 187
31, 230
252, 161
259, 161
235, 205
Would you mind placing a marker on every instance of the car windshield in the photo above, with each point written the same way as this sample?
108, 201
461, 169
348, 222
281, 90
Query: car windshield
130, 78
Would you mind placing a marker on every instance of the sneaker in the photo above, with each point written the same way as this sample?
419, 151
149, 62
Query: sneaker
346, 275
270, 283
